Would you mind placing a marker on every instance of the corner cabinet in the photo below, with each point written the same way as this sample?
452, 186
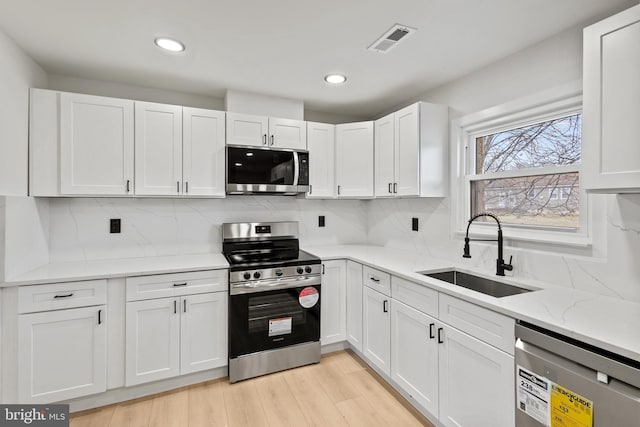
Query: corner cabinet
249, 129
80, 144
411, 152
321, 143
354, 160
611, 104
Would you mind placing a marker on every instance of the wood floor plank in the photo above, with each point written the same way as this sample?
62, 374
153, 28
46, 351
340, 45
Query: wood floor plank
100, 417
345, 361
243, 405
206, 405
278, 402
317, 407
132, 414
333, 381
359, 412
170, 410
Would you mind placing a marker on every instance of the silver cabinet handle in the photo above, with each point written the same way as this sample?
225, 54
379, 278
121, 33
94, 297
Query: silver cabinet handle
395, 187
272, 140
264, 139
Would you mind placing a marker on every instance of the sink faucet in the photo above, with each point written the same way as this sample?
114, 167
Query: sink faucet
500, 264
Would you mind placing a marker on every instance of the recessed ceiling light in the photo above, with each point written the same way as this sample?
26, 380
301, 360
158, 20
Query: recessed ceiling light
335, 78
169, 44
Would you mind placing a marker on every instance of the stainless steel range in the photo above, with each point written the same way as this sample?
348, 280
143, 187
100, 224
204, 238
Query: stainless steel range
274, 299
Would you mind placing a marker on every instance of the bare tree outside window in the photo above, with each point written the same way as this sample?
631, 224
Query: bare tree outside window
535, 194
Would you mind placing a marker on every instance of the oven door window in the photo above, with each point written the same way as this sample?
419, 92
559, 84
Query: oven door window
273, 319
260, 167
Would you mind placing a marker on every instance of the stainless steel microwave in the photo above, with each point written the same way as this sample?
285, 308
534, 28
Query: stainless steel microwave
258, 170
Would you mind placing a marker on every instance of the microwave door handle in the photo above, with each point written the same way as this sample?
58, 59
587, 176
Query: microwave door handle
296, 168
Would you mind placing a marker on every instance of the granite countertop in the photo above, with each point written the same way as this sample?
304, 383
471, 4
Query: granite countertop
108, 268
602, 321
605, 322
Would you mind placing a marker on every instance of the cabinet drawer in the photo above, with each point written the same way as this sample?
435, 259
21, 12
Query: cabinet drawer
56, 296
376, 279
486, 325
176, 284
415, 295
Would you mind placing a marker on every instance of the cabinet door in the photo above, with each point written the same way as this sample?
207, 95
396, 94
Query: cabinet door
96, 145
152, 340
287, 133
407, 151
611, 104
476, 382
62, 354
203, 155
321, 143
203, 336
247, 129
414, 354
333, 303
384, 156
354, 305
354, 159
376, 329
158, 149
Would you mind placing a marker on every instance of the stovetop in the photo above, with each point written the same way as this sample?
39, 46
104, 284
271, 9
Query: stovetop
264, 258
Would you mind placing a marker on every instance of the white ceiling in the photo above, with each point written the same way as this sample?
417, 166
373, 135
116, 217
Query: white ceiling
285, 47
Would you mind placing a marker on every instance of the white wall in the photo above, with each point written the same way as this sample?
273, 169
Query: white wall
18, 73
79, 228
609, 267
127, 91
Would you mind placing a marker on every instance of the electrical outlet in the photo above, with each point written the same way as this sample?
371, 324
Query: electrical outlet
414, 224
114, 225
321, 221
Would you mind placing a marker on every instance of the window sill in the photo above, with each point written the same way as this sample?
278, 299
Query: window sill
557, 238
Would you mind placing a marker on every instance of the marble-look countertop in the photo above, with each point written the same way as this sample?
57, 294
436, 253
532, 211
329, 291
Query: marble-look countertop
109, 268
606, 322
602, 321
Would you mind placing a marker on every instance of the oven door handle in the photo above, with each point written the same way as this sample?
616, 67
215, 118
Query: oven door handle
270, 285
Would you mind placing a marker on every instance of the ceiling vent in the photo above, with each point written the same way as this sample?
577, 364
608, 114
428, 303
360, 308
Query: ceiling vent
391, 38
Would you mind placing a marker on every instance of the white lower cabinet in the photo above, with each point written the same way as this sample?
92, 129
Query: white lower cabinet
376, 329
354, 305
476, 382
61, 354
333, 303
414, 354
171, 336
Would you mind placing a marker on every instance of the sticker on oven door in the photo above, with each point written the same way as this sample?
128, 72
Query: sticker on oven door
533, 395
280, 326
308, 297
569, 409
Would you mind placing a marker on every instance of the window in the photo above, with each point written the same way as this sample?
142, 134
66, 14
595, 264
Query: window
526, 174
521, 162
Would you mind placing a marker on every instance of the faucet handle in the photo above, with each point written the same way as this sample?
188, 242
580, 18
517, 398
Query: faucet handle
508, 266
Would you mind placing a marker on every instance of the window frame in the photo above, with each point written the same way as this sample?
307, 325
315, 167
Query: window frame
559, 102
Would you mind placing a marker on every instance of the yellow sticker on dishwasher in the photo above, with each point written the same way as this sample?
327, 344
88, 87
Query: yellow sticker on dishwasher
569, 409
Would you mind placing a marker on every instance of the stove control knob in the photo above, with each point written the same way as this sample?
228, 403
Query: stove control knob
299, 270
256, 275
246, 276
279, 272
307, 269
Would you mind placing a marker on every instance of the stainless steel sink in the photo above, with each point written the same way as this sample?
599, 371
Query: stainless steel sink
476, 283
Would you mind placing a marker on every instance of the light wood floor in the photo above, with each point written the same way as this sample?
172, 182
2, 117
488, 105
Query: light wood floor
339, 391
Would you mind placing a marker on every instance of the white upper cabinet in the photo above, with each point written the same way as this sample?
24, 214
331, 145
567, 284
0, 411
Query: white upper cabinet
411, 152
321, 143
354, 160
158, 149
384, 156
248, 129
203, 152
287, 133
94, 136
611, 104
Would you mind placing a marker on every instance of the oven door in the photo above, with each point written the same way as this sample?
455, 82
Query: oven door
259, 170
270, 319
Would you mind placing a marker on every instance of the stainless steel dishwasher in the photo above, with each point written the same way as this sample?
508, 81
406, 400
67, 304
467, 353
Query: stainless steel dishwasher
562, 382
